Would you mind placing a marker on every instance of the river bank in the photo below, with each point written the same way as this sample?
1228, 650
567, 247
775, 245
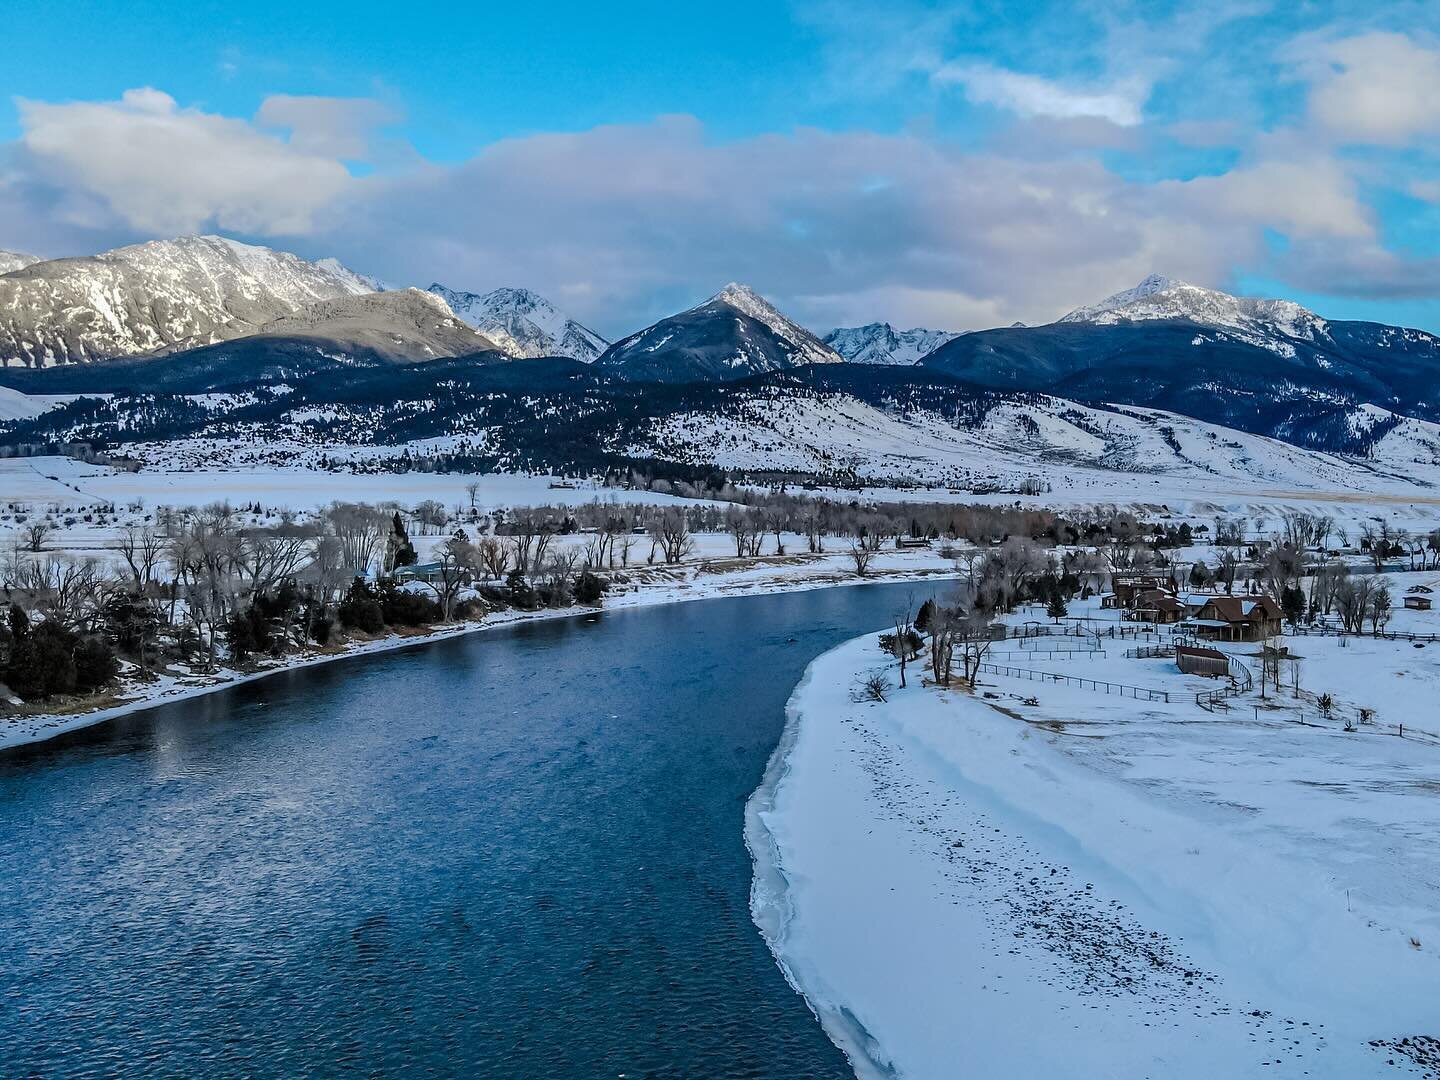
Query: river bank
655, 585
963, 886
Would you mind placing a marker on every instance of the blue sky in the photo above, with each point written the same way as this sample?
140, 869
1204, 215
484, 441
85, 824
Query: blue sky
951, 164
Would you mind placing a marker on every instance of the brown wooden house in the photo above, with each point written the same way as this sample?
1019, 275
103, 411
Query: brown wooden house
1159, 606
1237, 618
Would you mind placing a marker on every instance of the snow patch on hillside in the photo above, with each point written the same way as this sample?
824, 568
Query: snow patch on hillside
881, 343
524, 324
1264, 323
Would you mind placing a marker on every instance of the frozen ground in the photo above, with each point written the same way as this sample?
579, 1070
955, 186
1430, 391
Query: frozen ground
61, 480
1041, 881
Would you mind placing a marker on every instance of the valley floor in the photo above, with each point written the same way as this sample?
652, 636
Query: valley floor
1041, 881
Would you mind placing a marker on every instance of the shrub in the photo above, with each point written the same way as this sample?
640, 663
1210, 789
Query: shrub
590, 588
321, 628
248, 632
42, 662
401, 608
914, 643
95, 663
521, 594
361, 610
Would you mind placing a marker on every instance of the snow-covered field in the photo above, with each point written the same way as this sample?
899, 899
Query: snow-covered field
1045, 881
64, 480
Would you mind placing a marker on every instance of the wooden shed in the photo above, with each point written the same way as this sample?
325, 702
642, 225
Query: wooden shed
1197, 660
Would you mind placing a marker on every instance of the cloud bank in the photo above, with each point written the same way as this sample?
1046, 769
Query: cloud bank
623, 223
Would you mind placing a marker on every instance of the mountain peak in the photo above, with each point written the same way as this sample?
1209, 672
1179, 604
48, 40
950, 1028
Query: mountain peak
1152, 285
743, 298
747, 301
737, 290
1267, 323
523, 323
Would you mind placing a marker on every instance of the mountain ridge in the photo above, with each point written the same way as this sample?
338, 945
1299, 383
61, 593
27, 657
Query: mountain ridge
881, 343
523, 323
733, 334
156, 296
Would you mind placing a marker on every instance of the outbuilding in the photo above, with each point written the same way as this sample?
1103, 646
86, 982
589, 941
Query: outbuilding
1198, 660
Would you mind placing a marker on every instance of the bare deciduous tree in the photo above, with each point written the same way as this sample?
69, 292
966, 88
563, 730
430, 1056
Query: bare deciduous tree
670, 530
141, 549
35, 534
455, 562
860, 556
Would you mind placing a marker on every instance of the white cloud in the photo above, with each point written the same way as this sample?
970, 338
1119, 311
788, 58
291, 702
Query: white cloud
1301, 197
1031, 95
327, 126
164, 169
626, 223
1380, 88
1428, 190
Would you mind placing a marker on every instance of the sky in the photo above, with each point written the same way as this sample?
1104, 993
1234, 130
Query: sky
950, 165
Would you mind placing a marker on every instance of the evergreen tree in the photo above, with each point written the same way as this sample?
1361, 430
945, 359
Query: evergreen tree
360, 610
42, 662
1056, 609
402, 550
95, 663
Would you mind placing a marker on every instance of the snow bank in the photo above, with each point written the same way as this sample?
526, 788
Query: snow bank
950, 880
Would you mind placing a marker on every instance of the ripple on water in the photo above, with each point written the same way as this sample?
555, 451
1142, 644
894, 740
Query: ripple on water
512, 854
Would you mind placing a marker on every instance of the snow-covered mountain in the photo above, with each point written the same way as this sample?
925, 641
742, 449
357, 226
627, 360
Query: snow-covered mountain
157, 296
523, 323
16, 260
1265, 366
735, 333
400, 326
746, 300
833, 424
1266, 323
881, 343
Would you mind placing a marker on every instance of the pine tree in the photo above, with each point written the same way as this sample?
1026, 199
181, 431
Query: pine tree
1056, 609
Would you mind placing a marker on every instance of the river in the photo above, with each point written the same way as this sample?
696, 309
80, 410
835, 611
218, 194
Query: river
513, 854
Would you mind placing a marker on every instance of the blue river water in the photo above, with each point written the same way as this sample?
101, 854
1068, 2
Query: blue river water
514, 854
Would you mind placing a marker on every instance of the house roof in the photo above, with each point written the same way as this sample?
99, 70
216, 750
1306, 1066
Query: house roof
1160, 601
1238, 609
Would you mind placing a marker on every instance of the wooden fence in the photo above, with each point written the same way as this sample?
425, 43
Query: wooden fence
1146, 652
1141, 693
1383, 635
1048, 654
1241, 681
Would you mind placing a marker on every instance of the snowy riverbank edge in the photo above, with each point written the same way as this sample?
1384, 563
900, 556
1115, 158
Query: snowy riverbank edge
29, 730
772, 907
954, 896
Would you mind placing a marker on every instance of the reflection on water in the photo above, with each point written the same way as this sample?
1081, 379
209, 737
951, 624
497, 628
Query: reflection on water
515, 854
